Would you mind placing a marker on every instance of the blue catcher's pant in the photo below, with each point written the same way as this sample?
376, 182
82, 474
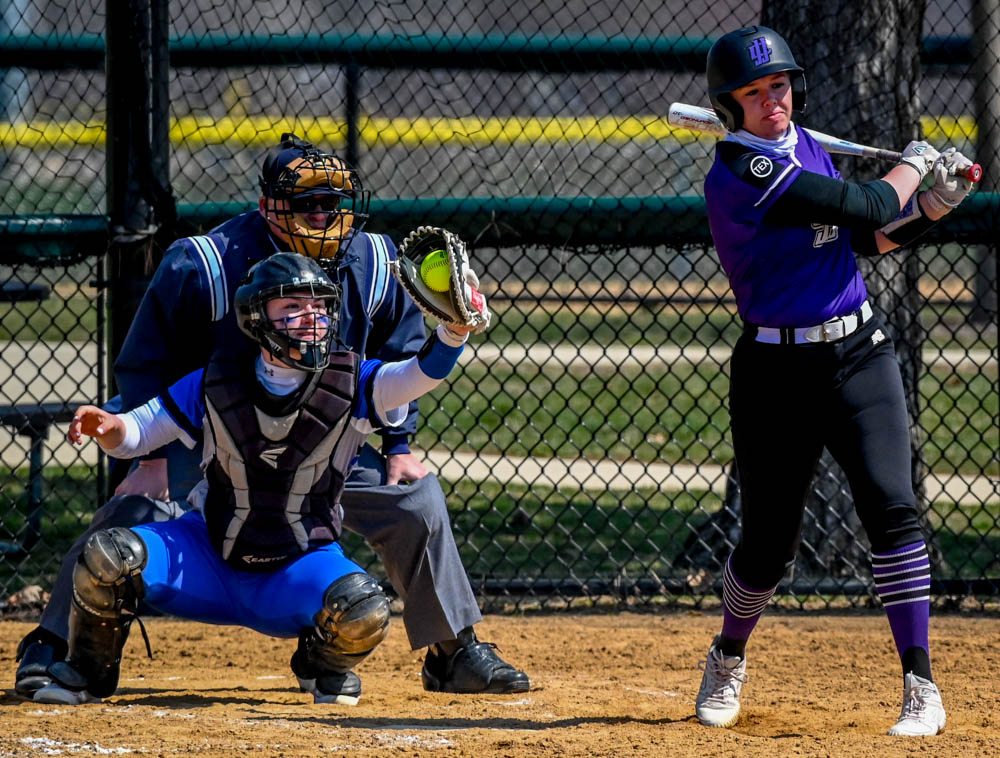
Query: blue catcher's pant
186, 577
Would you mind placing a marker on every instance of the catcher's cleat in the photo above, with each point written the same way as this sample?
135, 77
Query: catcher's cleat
56, 694
340, 689
473, 667
37, 651
923, 712
718, 701
68, 686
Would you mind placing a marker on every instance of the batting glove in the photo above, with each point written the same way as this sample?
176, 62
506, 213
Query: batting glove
950, 186
920, 156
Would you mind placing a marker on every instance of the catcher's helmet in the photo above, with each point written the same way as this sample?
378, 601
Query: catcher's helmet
289, 275
298, 181
740, 57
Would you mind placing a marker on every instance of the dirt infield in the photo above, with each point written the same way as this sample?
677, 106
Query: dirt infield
603, 685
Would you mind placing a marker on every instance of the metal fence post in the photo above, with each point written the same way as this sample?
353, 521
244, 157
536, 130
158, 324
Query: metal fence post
139, 205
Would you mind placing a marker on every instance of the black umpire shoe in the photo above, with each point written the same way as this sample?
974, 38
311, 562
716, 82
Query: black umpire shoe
37, 651
471, 667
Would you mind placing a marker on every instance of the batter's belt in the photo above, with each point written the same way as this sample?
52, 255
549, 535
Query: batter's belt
829, 331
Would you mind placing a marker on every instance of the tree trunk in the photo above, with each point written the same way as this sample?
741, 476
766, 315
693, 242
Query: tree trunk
986, 73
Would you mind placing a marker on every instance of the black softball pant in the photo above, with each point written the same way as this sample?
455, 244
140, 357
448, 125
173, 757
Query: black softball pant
788, 402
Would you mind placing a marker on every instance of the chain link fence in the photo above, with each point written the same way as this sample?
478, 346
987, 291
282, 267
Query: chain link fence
584, 443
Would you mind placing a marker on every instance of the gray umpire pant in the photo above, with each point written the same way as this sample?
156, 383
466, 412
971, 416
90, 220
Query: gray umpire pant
406, 524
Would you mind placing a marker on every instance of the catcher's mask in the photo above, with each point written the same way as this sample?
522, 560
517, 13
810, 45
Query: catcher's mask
739, 57
313, 201
302, 340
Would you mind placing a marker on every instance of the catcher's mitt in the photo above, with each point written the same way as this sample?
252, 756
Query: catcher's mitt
462, 305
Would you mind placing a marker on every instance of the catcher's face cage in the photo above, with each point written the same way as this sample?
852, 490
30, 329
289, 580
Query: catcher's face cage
303, 346
317, 205
740, 57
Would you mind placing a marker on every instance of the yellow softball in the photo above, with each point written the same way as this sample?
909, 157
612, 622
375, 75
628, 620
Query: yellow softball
435, 272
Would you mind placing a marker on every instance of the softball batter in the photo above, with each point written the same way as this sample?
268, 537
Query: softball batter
815, 367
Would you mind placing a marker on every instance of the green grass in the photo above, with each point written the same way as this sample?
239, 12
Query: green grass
672, 414
528, 532
659, 414
968, 537
625, 325
70, 499
703, 325
52, 320
512, 530
949, 328
523, 532
681, 324
651, 415
960, 414
527, 322
539, 531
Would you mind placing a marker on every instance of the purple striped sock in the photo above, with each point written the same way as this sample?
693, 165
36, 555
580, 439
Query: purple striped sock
742, 605
903, 581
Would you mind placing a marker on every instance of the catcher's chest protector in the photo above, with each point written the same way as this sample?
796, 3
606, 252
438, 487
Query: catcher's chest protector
275, 482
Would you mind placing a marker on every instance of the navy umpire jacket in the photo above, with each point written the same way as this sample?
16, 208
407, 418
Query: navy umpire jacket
186, 312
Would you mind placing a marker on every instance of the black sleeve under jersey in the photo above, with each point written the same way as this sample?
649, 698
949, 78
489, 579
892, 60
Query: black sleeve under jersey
816, 199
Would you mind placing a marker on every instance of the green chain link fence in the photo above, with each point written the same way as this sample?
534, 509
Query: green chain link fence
584, 443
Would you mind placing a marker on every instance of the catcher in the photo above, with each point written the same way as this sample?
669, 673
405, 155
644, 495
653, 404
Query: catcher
259, 550
314, 205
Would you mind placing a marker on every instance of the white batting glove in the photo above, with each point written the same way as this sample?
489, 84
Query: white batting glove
920, 156
950, 186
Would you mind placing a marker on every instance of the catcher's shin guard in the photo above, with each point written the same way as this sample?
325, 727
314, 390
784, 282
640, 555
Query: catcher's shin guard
107, 588
353, 621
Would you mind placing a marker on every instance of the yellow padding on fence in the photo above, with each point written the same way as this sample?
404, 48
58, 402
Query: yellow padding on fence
192, 132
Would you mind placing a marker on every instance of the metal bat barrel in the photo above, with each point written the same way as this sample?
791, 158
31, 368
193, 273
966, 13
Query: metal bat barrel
703, 120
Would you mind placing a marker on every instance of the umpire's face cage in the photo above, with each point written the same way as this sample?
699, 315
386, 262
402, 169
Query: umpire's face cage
316, 205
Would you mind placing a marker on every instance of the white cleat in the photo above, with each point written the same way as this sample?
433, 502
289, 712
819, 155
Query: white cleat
923, 712
718, 701
56, 694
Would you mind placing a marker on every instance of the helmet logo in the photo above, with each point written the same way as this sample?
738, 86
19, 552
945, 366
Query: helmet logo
761, 166
760, 53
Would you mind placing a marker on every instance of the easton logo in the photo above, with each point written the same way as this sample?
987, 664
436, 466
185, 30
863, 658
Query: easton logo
263, 558
761, 166
760, 53
270, 456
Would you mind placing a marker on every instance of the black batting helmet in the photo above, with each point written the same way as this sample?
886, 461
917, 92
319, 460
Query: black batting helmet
740, 57
289, 275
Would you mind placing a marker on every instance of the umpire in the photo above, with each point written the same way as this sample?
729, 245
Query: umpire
815, 366
313, 204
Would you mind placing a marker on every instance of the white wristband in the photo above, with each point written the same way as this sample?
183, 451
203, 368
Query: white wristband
936, 204
450, 338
